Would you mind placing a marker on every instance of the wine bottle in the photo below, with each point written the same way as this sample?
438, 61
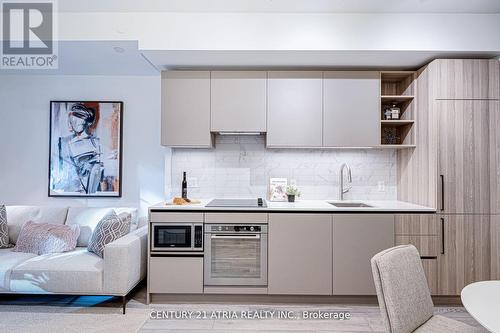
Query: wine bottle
184, 186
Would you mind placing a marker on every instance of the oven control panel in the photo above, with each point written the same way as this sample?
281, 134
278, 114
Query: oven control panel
237, 228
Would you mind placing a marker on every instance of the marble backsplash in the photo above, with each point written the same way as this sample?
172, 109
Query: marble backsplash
240, 167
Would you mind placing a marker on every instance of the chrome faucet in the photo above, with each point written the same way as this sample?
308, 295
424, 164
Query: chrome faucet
343, 190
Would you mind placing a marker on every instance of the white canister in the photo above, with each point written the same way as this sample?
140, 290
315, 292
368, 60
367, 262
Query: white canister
395, 111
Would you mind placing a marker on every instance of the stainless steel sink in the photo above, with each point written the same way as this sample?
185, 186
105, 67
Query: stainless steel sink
349, 204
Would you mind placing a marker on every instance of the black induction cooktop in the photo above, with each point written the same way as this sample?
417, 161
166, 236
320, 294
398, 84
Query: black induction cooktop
244, 203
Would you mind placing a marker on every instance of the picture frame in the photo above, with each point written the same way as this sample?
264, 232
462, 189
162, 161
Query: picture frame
277, 189
85, 149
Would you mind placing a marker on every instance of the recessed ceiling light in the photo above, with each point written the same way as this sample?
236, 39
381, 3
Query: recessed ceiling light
118, 49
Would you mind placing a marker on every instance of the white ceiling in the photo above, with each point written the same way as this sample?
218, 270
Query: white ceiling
96, 58
101, 58
285, 6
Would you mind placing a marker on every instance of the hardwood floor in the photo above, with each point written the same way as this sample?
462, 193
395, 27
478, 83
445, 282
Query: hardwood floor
364, 318
54, 314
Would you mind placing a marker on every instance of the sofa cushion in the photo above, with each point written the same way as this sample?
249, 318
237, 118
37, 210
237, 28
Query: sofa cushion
109, 229
78, 271
9, 260
43, 238
134, 219
18, 215
87, 219
4, 229
126, 218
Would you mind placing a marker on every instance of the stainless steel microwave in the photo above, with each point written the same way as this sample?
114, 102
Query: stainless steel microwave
177, 237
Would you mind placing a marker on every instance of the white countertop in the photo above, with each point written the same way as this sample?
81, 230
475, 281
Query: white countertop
388, 206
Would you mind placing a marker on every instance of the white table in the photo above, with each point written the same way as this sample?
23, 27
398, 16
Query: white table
482, 301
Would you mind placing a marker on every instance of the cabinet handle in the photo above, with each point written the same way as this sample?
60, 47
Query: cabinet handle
442, 192
442, 235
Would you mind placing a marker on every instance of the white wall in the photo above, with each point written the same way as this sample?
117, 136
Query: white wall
240, 166
24, 136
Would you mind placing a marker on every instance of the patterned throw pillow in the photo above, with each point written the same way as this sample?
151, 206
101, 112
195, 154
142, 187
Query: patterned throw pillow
4, 228
43, 238
126, 218
109, 229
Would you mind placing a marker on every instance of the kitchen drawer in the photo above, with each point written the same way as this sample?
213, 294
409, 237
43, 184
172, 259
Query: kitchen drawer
415, 224
428, 246
431, 273
235, 218
176, 275
176, 217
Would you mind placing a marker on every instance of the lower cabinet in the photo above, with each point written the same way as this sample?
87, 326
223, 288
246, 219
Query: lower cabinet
329, 254
456, 250
430, 266
356, 239
495, 247
416, 225
422, 231
466, 252
176, 275
427, 245
300, 254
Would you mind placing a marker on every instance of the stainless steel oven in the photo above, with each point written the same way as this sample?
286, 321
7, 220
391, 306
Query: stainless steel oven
177, 237
235, 255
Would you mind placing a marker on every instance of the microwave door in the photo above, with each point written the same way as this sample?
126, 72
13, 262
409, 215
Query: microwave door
174, 237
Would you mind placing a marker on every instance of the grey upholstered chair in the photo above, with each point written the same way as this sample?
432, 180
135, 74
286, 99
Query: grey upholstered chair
404, 297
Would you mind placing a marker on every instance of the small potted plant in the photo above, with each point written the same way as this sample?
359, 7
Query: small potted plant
292, 191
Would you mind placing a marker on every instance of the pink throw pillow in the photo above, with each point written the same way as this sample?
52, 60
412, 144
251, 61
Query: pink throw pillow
43, 238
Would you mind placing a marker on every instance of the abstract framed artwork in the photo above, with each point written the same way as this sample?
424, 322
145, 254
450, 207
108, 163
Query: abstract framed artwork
85, 154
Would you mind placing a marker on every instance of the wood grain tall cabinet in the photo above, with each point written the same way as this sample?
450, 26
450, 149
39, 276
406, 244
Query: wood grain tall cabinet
454, 168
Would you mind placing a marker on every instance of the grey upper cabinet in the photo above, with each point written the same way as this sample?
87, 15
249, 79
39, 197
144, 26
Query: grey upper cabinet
295, 111
466, 79
351, 109
186, 109
300, 254
295, 108
238, 101
356, 239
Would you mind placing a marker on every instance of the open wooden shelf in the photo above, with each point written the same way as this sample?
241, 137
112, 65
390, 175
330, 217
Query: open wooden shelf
405, 105
397, 146
395, 123
396, 98
400, 135
398, 88
397, 83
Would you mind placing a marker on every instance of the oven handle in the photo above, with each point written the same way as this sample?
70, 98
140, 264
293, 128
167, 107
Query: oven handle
255, 236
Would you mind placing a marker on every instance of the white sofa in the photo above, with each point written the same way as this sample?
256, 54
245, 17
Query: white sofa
77, 272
